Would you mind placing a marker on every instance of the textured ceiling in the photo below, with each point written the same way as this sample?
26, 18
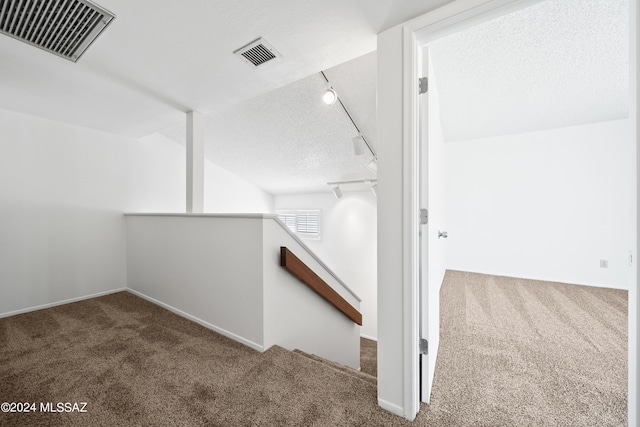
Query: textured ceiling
159, 59
557, 63
288, 140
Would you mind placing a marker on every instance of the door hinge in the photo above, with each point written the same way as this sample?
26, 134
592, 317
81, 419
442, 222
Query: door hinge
424, 216
424, 346
423, 85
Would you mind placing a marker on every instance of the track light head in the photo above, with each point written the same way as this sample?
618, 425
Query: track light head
373, 166
358, 145
330, 96
337, 192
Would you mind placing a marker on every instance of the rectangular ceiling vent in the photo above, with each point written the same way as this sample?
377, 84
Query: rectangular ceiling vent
63, 27
257, 53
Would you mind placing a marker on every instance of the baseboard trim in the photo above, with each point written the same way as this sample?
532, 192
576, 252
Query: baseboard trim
369, 338
63, 302
391, 407
199, 321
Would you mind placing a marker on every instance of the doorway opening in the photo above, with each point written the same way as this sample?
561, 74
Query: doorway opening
422, 36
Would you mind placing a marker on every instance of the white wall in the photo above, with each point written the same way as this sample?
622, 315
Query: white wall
207, 268
157, 175
295, 317
158, 182
62, 193
545, 205
63, 190
391, 295
225, 192
348, 244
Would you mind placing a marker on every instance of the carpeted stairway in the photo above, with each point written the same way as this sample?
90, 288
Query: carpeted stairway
338, 367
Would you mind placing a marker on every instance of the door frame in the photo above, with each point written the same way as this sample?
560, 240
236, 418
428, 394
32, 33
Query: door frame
415, 33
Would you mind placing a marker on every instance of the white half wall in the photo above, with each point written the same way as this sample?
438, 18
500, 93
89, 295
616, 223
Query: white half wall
348, 243
62, 194
207, 268
223, 271
545, 205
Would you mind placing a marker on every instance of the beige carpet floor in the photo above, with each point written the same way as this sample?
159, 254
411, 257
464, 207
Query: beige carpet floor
512, 352
530, 353
369, 357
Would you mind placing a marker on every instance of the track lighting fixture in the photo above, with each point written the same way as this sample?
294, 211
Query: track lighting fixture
373, 165
374, 190
358, 145
359, 142
337, 191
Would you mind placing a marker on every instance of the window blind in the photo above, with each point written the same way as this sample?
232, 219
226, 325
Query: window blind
305, 223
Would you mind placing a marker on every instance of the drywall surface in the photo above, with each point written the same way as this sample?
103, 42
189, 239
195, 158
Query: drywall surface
62, 193
348, 243
295, 317
225, 192
157, 176
391, 328
208, 268
545, 205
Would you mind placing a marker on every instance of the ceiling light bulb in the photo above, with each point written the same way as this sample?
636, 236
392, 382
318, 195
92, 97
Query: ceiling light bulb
330, 96
337, 192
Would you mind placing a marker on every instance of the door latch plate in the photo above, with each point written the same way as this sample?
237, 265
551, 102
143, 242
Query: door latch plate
424, 216
424, 346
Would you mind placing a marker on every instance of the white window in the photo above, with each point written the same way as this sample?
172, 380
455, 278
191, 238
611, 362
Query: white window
288, 218
308, 224
305, 223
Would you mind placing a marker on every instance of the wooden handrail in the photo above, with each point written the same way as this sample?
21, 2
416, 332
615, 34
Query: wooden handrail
299, 269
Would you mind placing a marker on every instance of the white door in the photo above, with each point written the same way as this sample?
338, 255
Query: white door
433, 233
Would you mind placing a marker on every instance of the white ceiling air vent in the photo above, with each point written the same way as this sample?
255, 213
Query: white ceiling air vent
257, 53
63, 27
